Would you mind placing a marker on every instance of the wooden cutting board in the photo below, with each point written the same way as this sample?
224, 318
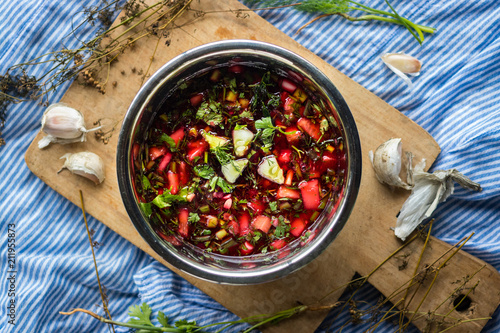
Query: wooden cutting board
366, 240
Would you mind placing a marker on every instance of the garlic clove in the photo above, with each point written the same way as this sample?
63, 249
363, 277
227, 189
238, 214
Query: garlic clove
386, 162
85, 164
429, 190
402, 64
63, 125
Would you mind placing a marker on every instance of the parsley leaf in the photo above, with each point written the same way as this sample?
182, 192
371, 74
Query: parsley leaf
267, 131
166, 199
222, 183
162, 319
274, 206
146, 184
209, 112
204, 171
282, 229
146, 208
193, 217
142, 313
169, 141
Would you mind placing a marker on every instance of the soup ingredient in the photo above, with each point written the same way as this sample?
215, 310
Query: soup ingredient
63, 125
242, 138
386, 162
214, 141
234, 169
85, 164
402, 64
429, 190
241, 162
270, 169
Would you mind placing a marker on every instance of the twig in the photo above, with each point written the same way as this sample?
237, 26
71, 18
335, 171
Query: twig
104, 303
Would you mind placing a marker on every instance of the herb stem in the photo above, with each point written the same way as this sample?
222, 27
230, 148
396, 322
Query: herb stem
147, 328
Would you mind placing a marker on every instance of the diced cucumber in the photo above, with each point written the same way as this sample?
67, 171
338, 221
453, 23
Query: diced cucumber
234, 169
241, 140
270, 169
214, 140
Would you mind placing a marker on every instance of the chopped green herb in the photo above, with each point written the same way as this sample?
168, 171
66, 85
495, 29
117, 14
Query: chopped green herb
167, 199
210, 113
193, 218
169, 141
204, 171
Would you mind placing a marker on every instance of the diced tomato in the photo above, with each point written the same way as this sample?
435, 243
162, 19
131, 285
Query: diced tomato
246, 248
197, 144
330, 161
155, 152
285, 192
164, 161
233, 228
289, 178
173, 182
262, 222
316, 169
277, 244
183, 173
283, 96
244, 222
267, 183
288, 85
177, 136
288, 105
297, 226
135, 151
310, 194
196, 99
284, 156
256, 206
195, 152
183, 222
293, 135
169, 238
312, 129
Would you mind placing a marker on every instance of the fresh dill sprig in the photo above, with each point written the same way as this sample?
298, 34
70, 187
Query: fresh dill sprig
342, 7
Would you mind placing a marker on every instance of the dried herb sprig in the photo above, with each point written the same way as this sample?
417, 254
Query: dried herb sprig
342, 7
91, 61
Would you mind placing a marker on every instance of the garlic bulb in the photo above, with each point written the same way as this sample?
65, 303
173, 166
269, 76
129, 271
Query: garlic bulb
386, 162
429, 190
86, 164
63, 125
402, 64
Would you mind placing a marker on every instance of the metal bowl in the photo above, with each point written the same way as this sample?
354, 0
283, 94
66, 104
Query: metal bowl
258, 268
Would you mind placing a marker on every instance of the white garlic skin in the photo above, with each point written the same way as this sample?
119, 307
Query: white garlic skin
386, 162
403, 62
85, 164
61, 121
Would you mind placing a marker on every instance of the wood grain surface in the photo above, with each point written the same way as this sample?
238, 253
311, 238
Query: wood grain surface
364, 243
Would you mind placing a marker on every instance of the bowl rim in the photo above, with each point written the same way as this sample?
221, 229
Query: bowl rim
123, 157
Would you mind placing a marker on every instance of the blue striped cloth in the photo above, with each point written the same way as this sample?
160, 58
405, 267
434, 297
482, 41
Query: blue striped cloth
455, 98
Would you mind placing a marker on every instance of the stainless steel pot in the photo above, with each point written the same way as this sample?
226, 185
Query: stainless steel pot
261, 267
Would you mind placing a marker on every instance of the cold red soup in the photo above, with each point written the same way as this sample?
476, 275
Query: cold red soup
238, 162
